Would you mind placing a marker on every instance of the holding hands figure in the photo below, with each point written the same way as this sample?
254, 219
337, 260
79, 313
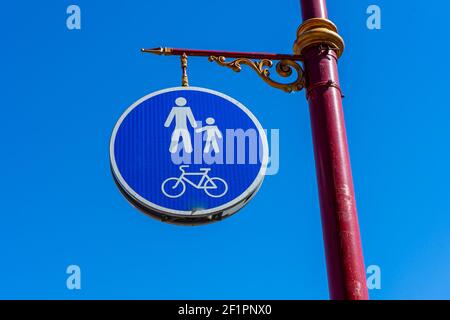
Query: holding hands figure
212, 134
181, 114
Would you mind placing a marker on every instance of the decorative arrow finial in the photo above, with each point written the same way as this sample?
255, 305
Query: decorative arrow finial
159, 51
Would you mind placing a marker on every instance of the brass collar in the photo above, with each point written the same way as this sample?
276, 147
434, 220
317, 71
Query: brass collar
317, 31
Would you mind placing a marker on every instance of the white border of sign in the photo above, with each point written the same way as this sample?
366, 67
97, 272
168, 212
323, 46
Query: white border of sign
225, 208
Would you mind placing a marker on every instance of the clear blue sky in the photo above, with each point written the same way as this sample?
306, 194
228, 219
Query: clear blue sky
62, 92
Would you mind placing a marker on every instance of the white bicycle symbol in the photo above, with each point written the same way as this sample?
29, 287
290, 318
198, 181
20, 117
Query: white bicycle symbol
176, 187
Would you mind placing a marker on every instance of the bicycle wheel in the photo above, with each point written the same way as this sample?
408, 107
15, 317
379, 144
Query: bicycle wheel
220, 189
170, 188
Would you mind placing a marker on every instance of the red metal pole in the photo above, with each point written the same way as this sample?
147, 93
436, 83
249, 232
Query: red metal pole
345, 263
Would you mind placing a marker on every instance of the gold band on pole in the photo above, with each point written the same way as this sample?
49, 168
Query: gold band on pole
317, 31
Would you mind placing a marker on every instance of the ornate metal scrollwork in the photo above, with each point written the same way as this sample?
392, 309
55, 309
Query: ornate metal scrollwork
283, 67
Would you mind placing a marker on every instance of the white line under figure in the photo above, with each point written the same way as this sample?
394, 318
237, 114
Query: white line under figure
181, 113
212, 134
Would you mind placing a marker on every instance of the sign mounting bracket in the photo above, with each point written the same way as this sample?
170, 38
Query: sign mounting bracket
259, 62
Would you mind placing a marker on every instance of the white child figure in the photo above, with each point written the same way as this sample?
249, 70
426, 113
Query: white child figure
212, 134
181, 113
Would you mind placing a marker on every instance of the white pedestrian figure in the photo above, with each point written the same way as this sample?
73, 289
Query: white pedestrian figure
212, 134
181, 112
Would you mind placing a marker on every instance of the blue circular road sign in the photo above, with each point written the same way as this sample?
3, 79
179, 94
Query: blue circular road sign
188, 155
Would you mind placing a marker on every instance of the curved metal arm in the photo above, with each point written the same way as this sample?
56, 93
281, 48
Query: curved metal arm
283, 67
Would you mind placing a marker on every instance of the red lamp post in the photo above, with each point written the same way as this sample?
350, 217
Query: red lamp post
345, 264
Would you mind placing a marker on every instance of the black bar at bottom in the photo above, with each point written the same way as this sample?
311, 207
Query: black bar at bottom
218, 309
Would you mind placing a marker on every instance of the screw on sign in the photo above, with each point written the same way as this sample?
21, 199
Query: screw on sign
188, 155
